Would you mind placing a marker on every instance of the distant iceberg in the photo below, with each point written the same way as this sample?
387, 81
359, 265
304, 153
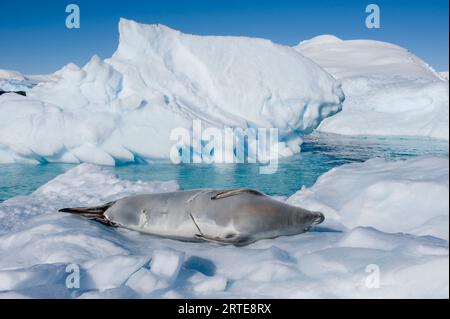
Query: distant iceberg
123, 109
14, 81
388, 90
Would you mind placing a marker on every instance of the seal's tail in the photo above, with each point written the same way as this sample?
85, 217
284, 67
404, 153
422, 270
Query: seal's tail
95, 213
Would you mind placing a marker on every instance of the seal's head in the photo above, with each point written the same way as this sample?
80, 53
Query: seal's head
255, 212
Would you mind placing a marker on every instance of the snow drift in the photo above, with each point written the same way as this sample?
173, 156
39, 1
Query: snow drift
389, 91
373, 224
123, 109
402, 196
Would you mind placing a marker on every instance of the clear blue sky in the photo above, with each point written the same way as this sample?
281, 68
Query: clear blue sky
34, 39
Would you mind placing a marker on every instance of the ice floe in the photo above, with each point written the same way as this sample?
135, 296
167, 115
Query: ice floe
384, 219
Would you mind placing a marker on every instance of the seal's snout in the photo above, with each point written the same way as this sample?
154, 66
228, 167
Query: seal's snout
319, 218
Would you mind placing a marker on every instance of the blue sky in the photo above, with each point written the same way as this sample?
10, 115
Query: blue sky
34, 39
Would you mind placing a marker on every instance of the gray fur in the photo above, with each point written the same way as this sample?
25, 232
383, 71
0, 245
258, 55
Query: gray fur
239, 216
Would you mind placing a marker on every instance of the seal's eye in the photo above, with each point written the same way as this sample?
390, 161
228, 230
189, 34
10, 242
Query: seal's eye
144, 211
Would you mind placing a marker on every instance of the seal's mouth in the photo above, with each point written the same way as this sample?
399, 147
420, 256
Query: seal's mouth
319, 218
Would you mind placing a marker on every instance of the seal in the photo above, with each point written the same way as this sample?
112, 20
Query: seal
235, 216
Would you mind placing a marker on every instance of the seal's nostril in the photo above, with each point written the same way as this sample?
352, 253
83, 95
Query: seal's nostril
319, 218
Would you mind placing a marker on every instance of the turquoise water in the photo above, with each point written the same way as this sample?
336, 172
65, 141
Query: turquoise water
320, 153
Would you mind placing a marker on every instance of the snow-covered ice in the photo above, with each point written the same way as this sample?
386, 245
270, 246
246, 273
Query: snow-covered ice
124, 108
397, 196
388, 90
444, 75
390, 217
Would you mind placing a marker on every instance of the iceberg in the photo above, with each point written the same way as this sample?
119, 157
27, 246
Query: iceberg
389, 91
391, 216
14, 81
124, 108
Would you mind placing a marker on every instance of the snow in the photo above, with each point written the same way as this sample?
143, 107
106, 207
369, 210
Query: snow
124, 108
444, 75
143, 281
382, 216
390, 196
166, 264
389, 90
103, 280
204, 285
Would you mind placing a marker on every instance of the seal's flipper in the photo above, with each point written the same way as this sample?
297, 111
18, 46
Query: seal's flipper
230, 239
233, 192
234, 239
93, 213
